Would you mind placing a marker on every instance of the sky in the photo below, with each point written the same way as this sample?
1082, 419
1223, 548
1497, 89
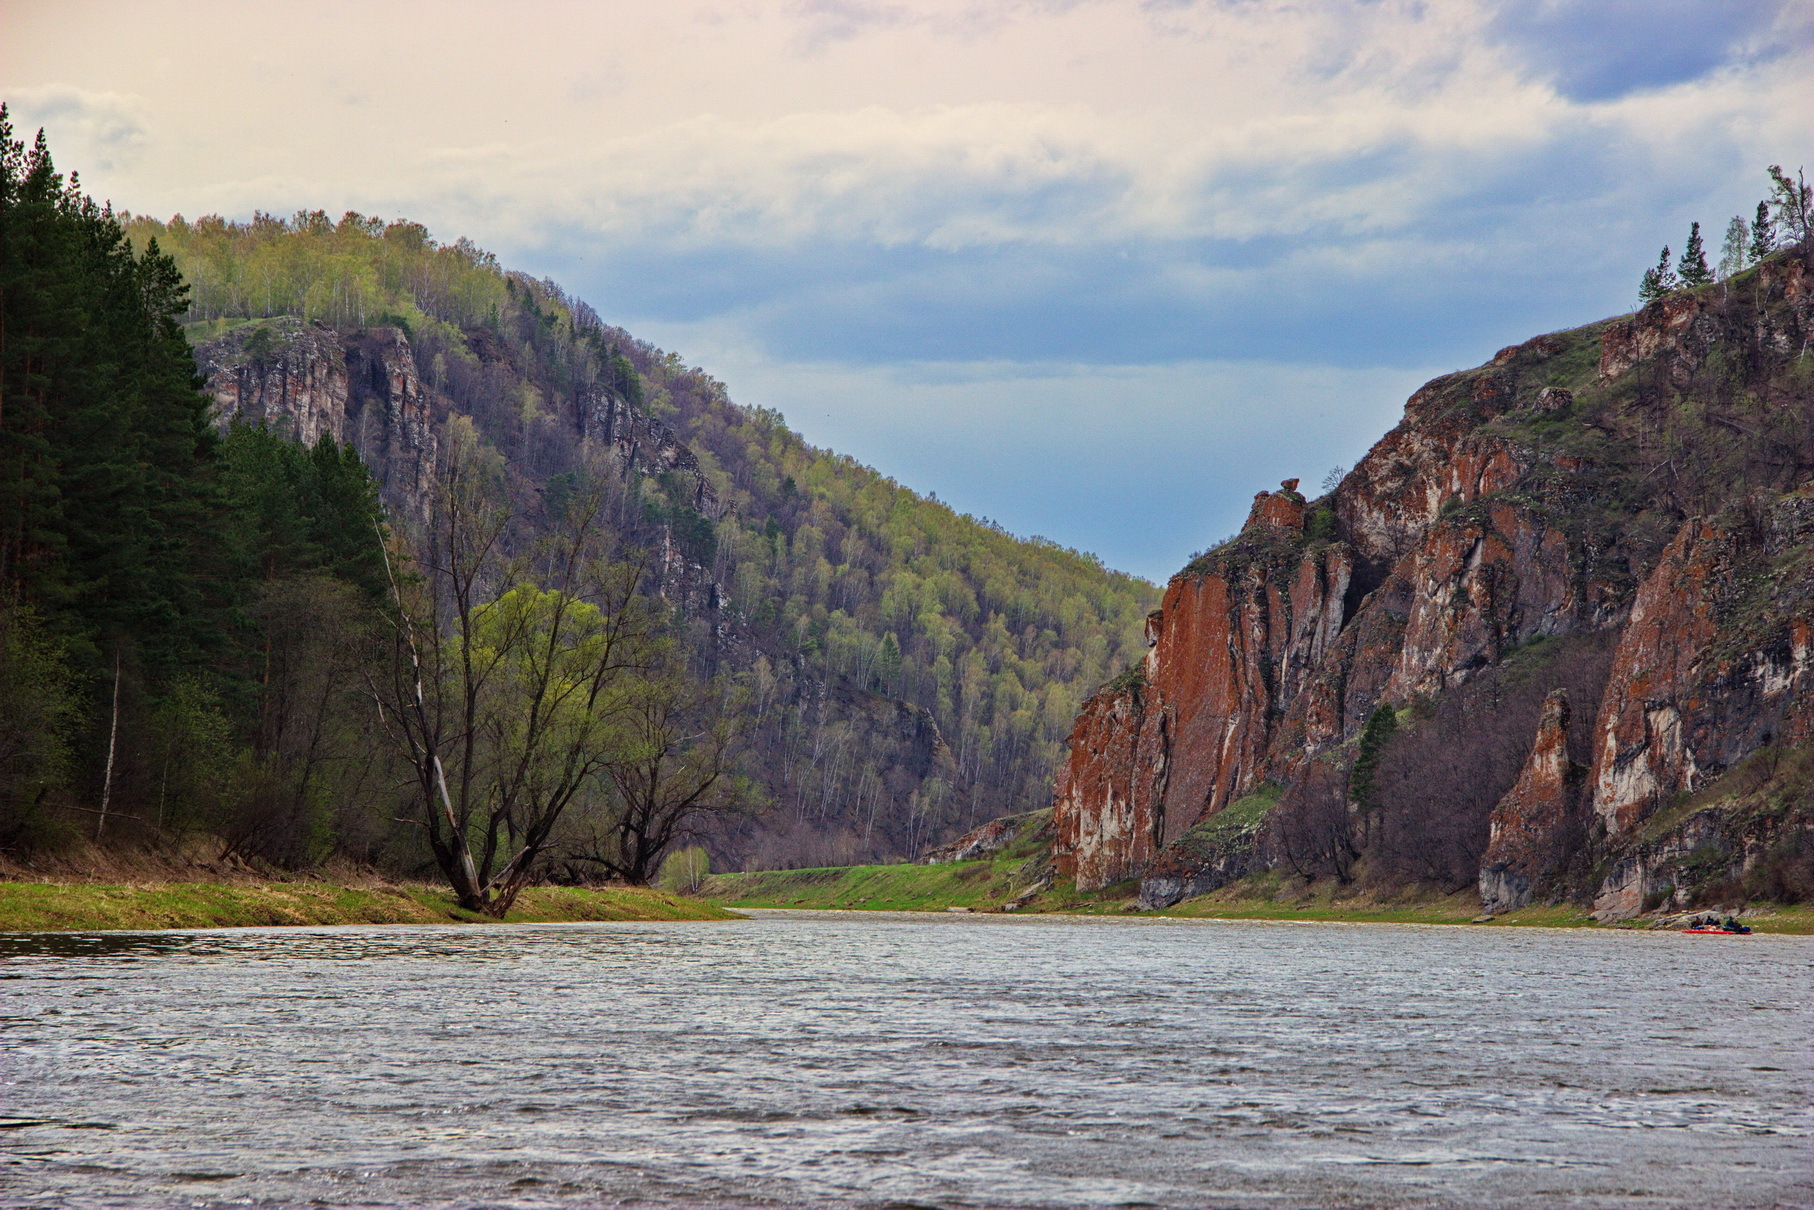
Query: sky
1098, 270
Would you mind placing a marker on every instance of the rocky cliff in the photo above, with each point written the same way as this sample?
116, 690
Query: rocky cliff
1579, 581
363, 386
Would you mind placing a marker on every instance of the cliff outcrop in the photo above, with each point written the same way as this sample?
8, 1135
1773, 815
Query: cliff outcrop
1524, 834
1642, 489
309, 381
364, 387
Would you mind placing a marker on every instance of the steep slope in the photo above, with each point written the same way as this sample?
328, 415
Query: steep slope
1547, 613
911, 671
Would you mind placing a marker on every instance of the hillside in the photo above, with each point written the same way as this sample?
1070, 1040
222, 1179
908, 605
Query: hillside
1552, 637
910, 671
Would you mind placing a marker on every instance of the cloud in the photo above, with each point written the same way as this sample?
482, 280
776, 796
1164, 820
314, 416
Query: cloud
88, 130
864, 204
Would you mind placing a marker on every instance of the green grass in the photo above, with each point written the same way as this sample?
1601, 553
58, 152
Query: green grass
981, 886
58, 907
985, 886
902, 888
1796, 919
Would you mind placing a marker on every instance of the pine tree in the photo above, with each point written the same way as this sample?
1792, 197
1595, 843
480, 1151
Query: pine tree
1376, 733
105, 443
1693, 265
1763, 233
1658, 280
1733, 257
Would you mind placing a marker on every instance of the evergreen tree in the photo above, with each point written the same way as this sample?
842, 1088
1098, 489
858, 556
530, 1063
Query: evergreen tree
1657, 280
1693, 265
1733, 257
1376, 732
1763, 233
106, 449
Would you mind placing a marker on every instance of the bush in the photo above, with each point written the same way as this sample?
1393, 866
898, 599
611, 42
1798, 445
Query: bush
684, 871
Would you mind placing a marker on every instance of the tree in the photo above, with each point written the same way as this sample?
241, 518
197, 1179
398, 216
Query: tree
1793, 203
1659, 280
508, 677
684, 742
888, 661
39, 702
1693, 265
1763, 233
1376, 732
684, 871
105, 441
1733, 253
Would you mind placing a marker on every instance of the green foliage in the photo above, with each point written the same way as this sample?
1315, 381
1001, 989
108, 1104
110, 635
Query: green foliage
1235, 825
41, 707
1763, 233
292, 510
1659, 280
684, 871
104, 439
1320, 525
135, 538
1693, 265
1734, 252
1363, 785
195, 755
1132, 679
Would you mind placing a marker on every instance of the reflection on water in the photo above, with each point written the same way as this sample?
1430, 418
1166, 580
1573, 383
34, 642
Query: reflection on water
859, 1059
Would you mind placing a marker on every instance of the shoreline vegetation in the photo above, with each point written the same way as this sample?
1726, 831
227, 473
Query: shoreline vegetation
970, 886
978, 886
30, 907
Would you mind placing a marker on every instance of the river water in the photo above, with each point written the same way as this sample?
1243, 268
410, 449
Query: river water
868, 1059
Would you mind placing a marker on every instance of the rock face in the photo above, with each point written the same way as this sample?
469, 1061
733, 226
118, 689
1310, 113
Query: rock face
1523, 835
309, 381
363, 386
1525, 501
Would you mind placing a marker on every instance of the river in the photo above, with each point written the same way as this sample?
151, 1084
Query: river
864, 1059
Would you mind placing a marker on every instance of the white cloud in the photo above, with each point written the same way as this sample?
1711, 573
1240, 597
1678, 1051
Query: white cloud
87, 129
1056, 188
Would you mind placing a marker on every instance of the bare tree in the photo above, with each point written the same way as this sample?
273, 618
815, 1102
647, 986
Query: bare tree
511, 676
1313, 829
679, 768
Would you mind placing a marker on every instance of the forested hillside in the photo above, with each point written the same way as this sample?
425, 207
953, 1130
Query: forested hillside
902, 670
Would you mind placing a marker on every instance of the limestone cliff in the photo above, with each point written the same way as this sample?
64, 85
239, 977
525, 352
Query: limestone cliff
1643, 486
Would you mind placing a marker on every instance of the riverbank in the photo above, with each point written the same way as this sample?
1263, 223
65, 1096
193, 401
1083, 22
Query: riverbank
994, 885
84, 906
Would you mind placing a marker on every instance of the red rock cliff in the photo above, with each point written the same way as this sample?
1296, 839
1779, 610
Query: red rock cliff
1528, 500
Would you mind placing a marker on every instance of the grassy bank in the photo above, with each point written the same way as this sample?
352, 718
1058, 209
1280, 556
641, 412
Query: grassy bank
985, 886
57, 907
